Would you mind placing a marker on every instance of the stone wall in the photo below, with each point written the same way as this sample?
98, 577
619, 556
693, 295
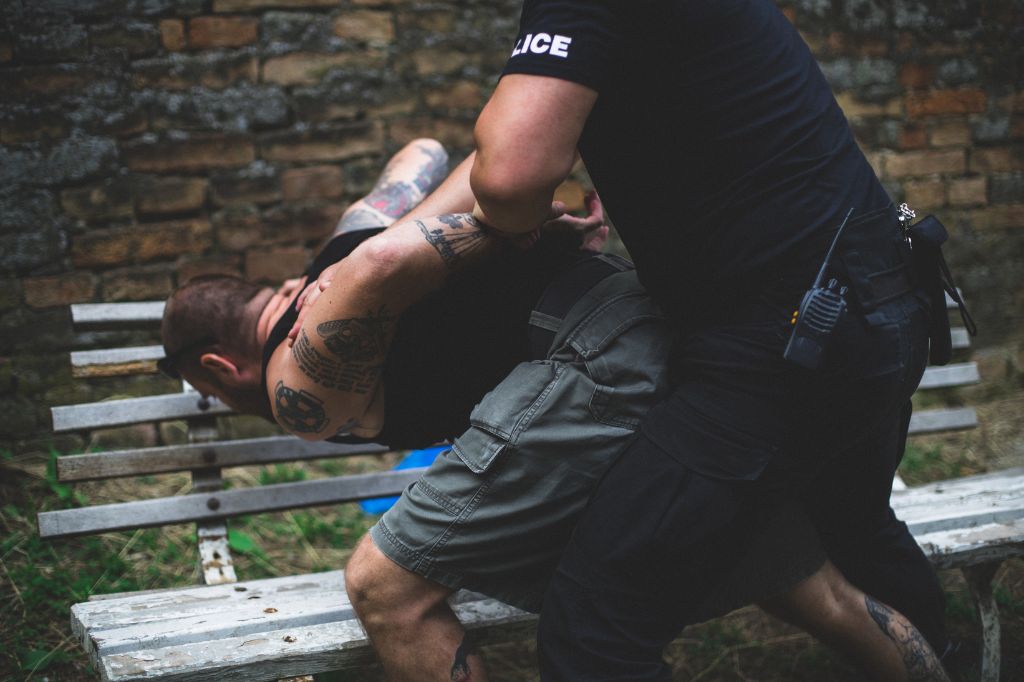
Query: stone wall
146, 141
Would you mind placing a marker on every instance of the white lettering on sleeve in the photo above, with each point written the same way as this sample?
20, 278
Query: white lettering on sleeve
557, 46
560, 46
541, 43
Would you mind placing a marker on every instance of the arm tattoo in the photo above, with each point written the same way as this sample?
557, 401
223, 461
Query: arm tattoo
460, 667
299, 411
393, 199
359, 219
357, 347
431, 173
918, 657
461, 236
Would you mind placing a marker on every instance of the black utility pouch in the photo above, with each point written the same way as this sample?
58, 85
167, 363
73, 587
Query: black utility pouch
926, 239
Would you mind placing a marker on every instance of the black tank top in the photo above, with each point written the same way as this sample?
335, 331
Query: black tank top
453, 346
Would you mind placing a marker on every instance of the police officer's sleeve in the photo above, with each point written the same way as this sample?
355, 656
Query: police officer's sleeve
575, 40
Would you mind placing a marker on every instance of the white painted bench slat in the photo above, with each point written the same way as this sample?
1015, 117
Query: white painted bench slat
113, 315
982, 544
959, 374
222, 504
934, 421
166, 459
109, 413
997, 497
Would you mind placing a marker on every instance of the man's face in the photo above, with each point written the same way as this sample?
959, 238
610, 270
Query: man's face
245, 400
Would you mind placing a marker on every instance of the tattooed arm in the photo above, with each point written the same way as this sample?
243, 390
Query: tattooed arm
328, 378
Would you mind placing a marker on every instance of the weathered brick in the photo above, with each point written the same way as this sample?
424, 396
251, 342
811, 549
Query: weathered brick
162, 195
913, 137
141, 243
46, 80
307, 221
238, 228
365, 26
998, 217
439, 60
219, 31
172, 34
239, 108
6, 52
916, 163
450, 132
968, 192
74, 287
925, 194
107, 200
181, 72
329, 144
938, 102
855, 108
132, 38
32, 125
426, 20
1012, 103
257, 183
137, 285
997, 159
275, 265
954, 133
187, 268
916, 75
460, 95
1006, 189
313, 182
249, 5
192, 154
10, 295
307, 68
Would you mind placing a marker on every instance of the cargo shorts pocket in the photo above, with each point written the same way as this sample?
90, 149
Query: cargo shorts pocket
505, 412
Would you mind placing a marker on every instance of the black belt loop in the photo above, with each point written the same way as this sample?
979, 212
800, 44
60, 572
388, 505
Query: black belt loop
562, 294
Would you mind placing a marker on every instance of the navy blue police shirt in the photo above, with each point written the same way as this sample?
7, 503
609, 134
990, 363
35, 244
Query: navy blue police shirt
715, 142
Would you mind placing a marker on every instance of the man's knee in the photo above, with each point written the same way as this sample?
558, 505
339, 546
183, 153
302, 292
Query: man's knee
382, 592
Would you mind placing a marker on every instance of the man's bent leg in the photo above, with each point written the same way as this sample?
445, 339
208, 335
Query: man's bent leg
407, 617
879, 640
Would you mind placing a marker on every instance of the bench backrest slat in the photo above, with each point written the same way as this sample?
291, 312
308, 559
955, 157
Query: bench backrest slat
114, 315
223, 504
959, 374
109, 413
171, 458
944, 419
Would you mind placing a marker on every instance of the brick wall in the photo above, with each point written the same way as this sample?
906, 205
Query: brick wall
146, 141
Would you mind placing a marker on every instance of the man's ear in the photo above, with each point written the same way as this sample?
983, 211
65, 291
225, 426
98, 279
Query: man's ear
222, 367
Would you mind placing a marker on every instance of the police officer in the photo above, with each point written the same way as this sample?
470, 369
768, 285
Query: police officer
727, 167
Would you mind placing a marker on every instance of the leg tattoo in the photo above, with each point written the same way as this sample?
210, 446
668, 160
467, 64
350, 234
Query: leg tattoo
920, 661
460, 668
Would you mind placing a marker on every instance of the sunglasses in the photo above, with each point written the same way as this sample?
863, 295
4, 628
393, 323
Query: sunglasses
168, 365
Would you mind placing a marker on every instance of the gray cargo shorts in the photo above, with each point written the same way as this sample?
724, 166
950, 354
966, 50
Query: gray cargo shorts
494, 513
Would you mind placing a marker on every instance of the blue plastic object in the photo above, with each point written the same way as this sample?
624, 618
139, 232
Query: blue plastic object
416, 458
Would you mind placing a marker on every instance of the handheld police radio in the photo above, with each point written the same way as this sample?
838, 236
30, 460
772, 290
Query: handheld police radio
820, 311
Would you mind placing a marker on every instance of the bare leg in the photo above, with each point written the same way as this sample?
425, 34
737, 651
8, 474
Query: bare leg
409, 177
874, 636
413, 630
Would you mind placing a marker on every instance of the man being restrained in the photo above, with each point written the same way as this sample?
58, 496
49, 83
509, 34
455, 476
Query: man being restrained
537, 390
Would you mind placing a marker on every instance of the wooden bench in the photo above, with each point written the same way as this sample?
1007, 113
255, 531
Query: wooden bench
298, 625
